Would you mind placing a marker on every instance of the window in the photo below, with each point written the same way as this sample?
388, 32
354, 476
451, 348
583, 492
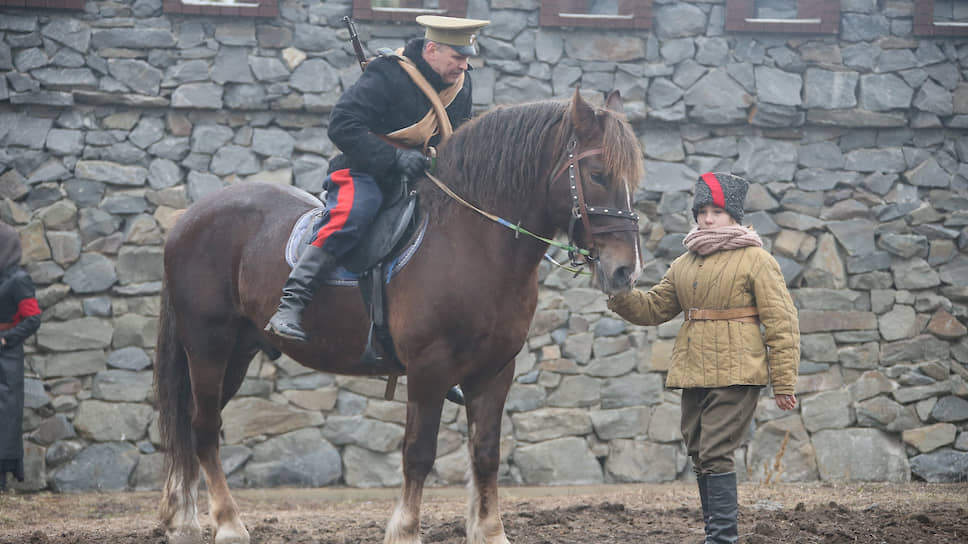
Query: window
940, 18
597, 13
244, 8
406, 10
801, 16
49, 4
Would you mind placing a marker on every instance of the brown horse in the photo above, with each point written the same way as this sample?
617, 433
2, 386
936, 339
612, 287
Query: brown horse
459, 311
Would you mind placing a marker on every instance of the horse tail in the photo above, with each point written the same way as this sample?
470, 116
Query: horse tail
173, 392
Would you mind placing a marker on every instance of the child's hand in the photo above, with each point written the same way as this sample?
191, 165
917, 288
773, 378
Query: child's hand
785, 402
616, 300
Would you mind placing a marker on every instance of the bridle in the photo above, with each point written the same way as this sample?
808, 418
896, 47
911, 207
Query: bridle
580, 210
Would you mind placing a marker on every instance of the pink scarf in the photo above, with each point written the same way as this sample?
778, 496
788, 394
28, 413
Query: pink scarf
708, 241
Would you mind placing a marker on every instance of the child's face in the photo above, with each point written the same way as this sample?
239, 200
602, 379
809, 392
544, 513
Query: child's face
711, 217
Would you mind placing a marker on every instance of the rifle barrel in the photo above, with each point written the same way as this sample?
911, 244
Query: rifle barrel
355, 40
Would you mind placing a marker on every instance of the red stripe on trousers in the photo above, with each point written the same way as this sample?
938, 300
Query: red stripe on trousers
341, 211
715, 188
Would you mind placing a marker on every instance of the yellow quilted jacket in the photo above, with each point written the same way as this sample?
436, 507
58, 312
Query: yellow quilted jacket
720, 353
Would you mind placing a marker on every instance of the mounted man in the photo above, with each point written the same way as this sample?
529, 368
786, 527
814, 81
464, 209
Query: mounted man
386, 125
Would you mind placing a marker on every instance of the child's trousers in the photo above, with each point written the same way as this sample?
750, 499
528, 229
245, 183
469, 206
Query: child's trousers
714, 422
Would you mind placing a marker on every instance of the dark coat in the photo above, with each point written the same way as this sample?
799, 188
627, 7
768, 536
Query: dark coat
382, 101
16, 301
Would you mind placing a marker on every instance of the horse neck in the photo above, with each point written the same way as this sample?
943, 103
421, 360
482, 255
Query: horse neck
514, 193
482, 242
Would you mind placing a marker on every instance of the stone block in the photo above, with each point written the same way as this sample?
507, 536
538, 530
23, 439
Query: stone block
860, 455
563, 461
821, 321
930, 438
781, 450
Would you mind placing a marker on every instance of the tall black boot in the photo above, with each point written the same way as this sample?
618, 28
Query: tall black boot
721, 501
298, 292
704, 500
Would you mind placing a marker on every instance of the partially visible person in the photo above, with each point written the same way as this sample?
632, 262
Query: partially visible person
726, 286
19, 318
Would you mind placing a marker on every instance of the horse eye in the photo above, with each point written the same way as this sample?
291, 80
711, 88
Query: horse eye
599, 178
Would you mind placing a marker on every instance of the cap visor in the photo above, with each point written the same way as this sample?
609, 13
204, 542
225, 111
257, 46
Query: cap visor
466, 50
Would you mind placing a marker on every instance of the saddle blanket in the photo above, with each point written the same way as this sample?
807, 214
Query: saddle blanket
305, 230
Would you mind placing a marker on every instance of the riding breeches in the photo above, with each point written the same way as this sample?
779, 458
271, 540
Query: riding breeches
353, 199
715, 422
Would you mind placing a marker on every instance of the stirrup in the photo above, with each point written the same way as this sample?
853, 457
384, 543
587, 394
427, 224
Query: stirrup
456, 395
297, 335
376, 357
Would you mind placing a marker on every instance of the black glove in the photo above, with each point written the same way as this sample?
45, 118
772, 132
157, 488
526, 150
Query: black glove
410, 162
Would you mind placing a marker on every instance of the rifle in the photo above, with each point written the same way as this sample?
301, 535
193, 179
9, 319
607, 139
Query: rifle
355, 39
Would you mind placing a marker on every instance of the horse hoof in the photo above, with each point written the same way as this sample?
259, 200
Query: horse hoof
185, 536
236, 535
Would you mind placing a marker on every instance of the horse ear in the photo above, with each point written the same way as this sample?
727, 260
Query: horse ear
614, 101
582, 114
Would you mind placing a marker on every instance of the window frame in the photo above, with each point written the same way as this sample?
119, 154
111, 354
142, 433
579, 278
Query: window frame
248, 8
925, 25
813, 17
43, 4
640, 16
363, 11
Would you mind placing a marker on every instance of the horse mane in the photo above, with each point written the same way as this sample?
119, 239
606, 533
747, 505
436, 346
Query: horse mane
620, 147
494, 161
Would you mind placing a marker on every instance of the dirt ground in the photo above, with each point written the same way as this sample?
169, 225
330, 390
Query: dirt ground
782, 513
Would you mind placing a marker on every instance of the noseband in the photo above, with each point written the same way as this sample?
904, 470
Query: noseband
580, 210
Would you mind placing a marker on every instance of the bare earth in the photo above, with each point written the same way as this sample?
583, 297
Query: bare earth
778, 513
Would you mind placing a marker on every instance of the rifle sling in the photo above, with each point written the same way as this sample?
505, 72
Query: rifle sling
436, 120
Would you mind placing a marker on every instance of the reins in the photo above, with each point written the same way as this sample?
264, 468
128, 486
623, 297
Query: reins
579, 211
518, 229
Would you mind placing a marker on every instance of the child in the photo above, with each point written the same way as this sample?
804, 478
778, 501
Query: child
726, 285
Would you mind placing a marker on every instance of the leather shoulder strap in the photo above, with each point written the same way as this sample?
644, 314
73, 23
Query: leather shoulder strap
437, 101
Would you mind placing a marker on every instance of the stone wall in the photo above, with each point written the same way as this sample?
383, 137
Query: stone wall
115, 118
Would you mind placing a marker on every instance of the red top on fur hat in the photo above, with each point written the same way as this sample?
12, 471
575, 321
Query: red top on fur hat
715, 188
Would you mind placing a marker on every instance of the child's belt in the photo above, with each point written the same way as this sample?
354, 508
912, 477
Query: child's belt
7, 326
748, 314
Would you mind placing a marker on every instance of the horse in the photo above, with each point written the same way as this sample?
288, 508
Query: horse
458, 312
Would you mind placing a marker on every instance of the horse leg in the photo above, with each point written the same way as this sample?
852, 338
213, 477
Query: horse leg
484, 410
215, 360
419, 451
229, 528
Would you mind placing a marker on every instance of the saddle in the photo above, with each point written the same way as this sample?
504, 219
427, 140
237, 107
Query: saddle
386, 247
374, 258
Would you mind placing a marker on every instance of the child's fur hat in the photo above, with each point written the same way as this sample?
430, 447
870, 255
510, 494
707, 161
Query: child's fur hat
724, 190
